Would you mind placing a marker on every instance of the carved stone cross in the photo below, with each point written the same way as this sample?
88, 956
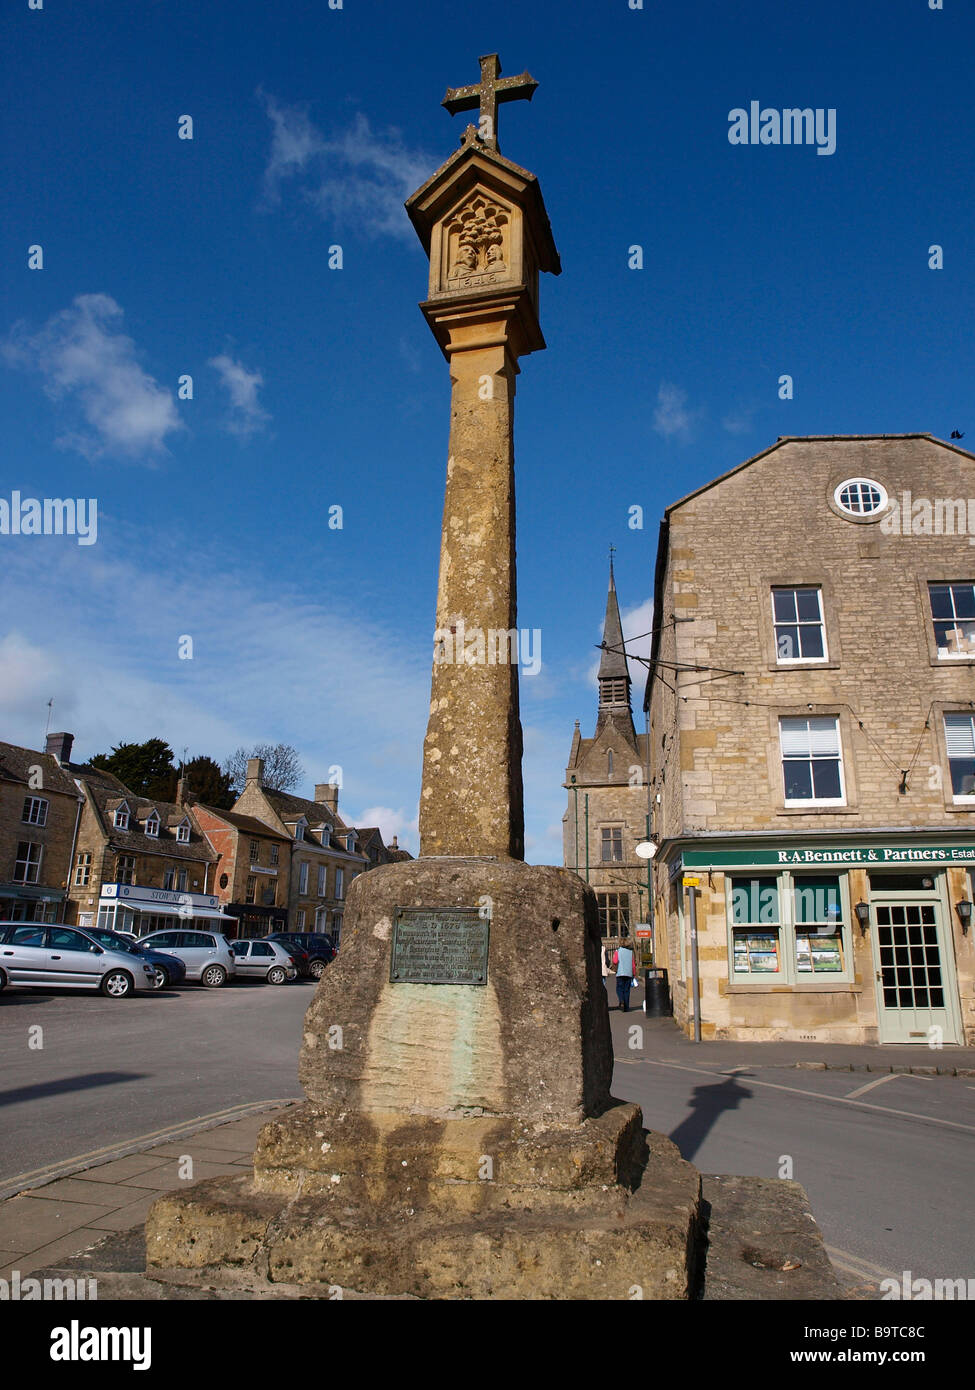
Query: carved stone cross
488, 94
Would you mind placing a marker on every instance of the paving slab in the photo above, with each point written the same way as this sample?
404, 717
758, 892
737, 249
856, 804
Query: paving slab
36, 1222
128, 1167
97, 1194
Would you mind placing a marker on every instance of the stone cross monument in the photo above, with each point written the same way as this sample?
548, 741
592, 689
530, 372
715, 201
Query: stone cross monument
483, 224
459, 1139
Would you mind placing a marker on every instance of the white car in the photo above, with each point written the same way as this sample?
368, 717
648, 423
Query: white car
264, 960
36, 956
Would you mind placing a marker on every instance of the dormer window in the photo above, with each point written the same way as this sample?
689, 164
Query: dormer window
299, 832
183, 833
152, 826
326, 835
121, 819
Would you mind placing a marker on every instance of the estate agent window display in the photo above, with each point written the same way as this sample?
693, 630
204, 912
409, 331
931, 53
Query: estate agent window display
788, 929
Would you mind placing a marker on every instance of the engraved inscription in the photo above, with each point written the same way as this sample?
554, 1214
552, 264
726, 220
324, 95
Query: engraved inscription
439, 946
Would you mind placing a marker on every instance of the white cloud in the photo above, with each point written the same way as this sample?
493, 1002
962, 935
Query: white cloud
358, 178
672, 419
269, 664
85, 360
246, 413
391, 823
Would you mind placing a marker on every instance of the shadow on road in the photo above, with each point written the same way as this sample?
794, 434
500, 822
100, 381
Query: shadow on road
70, 1083
707, 1103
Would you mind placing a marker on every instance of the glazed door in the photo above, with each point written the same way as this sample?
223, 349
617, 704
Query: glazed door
915, 978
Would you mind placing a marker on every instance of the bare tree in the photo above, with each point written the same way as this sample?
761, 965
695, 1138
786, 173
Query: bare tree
282, 768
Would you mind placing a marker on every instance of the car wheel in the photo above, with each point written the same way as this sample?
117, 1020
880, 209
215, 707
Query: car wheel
117, 984
3, 980
277, 975
214, 976
161, 979
317, 969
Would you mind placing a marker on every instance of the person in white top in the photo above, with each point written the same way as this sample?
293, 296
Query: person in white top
625, 969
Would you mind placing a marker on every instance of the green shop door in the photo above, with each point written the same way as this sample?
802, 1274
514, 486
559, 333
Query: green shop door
915, 975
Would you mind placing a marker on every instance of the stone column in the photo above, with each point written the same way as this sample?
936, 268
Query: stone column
472, 801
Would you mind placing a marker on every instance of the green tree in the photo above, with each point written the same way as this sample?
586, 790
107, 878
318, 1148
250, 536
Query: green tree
146, 768
203, 777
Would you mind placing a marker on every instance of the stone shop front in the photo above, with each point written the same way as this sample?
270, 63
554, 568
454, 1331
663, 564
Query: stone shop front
835, 939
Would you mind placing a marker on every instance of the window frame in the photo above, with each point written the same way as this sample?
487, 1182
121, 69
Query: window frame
120, 818
29, 861
183, 833
128, 861
34, 803
152, 827
926, 584
613, 830
812, 802
953, 801
303, 878
796, 589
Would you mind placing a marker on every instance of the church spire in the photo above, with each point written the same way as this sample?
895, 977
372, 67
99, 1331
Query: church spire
614, 675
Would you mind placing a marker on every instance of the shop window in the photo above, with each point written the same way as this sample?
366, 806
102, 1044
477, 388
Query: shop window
960, 742
756, 925
953, 614
820, 947
812, 767
800, 632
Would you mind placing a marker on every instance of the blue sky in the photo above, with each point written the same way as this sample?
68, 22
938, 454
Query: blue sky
316, 387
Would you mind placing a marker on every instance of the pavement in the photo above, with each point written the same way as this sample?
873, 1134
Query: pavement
56, 1214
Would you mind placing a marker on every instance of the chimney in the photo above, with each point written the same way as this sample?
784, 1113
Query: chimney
59, 745
327, 794
184, 797
394, 842
255, 771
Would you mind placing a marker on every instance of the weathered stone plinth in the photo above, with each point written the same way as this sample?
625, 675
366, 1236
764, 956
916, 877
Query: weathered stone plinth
458, 1141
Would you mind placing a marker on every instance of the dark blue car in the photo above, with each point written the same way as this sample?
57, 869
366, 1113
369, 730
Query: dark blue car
170, 970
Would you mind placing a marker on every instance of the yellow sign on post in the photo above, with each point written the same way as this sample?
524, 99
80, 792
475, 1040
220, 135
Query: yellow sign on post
691, 882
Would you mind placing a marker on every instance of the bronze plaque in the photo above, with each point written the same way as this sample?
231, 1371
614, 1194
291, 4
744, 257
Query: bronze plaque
439, 946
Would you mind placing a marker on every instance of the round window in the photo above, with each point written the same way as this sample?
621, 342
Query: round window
224, 880
860, 497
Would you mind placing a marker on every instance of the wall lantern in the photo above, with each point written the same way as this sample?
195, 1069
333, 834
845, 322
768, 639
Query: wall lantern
964, 910
862, 911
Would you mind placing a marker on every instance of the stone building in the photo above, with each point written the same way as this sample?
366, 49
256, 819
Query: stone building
371, 844
252, 874
39, 810
138, 863
324, 857
812, 719
606, 780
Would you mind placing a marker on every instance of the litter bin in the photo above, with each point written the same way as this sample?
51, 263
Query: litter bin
656, 1003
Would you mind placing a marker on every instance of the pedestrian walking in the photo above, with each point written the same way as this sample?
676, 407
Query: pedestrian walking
625, 966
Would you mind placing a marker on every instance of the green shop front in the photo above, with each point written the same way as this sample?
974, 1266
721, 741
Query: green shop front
828, 940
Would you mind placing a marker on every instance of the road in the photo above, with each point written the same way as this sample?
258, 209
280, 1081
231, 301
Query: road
887, 1168
886, 1160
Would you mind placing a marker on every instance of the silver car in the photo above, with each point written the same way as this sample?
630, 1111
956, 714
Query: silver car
36, 956
206, 954
263, 960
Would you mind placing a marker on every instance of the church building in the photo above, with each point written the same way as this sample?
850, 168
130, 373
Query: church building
607, 782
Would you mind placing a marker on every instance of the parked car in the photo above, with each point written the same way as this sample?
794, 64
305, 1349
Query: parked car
206, 954
169, 969
36, 956
317, 947
266, 960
